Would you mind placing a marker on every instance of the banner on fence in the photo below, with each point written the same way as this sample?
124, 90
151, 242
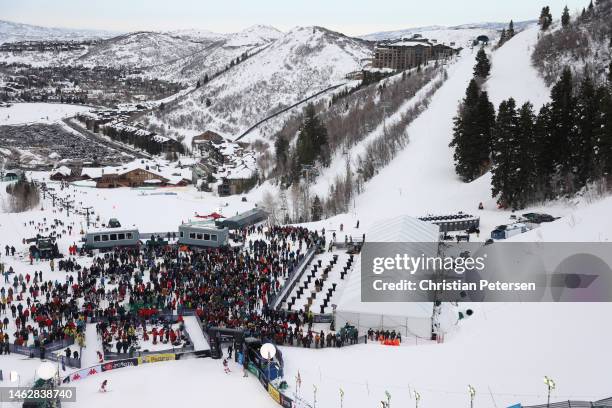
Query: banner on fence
84, 373
274, 393
286, 402
113, 365
155, 358
323, 318
253, 369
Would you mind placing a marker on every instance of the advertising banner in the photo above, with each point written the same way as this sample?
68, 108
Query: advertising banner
113, 365
154, 358
274, 393
85, 372
253, 369
286, 402
323, 318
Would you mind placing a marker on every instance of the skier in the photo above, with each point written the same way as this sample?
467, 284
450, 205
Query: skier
480, 206
103, 386
226, 366
100, 357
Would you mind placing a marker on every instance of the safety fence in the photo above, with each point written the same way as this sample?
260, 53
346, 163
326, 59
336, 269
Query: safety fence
167, 317
47, 352
604, 403
131, 362
277, 391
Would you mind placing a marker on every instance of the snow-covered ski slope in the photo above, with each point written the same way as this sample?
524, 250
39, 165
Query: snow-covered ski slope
195, 332
182, 383
504, 352
93, 345
512, 73
421, 179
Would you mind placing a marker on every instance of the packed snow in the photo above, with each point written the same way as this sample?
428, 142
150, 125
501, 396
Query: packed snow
24, 113
512, 73
171, 383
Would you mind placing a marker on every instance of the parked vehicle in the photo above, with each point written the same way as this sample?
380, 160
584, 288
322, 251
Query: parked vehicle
111, 238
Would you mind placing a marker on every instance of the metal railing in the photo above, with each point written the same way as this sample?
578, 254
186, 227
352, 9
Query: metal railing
604, 403
49, 349
293, 278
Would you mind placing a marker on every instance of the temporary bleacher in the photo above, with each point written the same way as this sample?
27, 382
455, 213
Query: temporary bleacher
330, 269
293, 278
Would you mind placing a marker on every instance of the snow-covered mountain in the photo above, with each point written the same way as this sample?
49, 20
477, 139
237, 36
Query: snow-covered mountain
253, 36
300, 63
181, 56
459, 34
10, 31
214, 54
139, 49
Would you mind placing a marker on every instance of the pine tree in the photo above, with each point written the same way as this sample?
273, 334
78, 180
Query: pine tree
471, 94
317, 209
543, 152
565, 17
312, 139
545, 18
472, 133
527, 188
588, 127
504, 181
483, 66
603, 151
281, 147
502, 37
562, 115
485, 119
511, 29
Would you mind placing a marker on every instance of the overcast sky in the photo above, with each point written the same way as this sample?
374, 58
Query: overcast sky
351, 17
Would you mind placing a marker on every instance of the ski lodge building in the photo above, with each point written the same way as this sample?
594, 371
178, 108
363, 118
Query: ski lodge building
409, 53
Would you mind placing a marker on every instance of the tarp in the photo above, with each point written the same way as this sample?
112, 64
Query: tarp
214, 216
408, 318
